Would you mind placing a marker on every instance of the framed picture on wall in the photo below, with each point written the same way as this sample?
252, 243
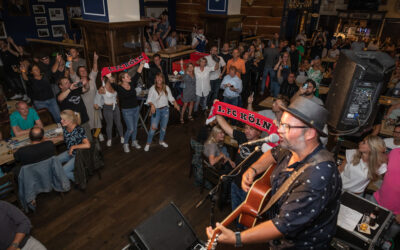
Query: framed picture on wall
43, 32
154, 12
40, 20
73, 12
58, 30
38, 9
3, 33
56, 14
18, 8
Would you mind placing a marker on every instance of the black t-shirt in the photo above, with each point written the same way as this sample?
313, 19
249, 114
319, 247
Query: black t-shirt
46, 69
40, 90
288, 89
35, 153
127, 98
75, 103
244, 151
226, 58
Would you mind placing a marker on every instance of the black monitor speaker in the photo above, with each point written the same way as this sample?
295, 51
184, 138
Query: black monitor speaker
167, 229
357, 83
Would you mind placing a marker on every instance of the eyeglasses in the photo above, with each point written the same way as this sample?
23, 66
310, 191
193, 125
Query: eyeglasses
286, 127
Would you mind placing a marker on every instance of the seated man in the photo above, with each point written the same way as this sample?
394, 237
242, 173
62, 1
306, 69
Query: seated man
308, 91
15, 229
394, 142
289, 86
232, 86
249, 134
39, 150
24, 119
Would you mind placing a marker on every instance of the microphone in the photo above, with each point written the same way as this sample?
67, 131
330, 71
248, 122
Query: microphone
273, 138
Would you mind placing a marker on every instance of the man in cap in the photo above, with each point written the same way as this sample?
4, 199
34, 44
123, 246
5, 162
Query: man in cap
305, 212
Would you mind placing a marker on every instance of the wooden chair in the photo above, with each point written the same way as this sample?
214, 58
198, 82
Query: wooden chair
9, 189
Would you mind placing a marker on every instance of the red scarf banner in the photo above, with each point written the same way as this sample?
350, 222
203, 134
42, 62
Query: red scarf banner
248, 117
124, 66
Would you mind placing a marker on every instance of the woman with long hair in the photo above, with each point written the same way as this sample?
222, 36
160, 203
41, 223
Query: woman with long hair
283, 69
158, 98
364, 164
110, 107
189, 92
129, 105
74, 138
214, 148
40, 90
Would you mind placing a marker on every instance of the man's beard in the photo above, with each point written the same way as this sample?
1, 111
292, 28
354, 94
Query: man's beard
307, 94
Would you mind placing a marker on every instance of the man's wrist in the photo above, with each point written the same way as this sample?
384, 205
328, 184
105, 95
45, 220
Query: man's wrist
238, 242
15, 244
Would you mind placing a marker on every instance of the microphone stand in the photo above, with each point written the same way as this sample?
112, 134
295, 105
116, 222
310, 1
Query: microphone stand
212, 194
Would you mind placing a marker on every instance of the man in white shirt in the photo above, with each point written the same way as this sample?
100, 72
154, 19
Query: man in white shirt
392, 143
215, 76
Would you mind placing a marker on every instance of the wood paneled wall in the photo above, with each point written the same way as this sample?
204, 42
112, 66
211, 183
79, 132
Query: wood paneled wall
268, 14
187, 13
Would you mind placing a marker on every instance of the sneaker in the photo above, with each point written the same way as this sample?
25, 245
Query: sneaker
126, 148
101, 137
162, 143
25, 98
136, 144
122, 140
16, 96
147, 147
109, 143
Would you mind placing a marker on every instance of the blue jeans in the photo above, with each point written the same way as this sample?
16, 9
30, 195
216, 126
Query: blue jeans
215, 86
161, 117
52, 106
232, 100
69, 165
272, 76
202, 101
237, 197
131, 118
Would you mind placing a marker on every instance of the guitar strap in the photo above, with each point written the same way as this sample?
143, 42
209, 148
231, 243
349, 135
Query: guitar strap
322, 156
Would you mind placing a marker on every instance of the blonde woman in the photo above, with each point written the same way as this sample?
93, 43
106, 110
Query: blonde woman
214, 148
158, 98
282, 69
74, 138
189, 92
364, 164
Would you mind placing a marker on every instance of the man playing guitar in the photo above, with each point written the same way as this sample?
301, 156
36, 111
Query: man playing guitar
304, 216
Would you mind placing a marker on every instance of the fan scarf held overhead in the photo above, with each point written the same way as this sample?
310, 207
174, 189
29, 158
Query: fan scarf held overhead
112, 69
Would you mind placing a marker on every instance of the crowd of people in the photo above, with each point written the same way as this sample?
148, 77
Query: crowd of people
237, 75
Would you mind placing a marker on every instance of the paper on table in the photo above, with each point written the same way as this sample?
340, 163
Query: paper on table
348, 218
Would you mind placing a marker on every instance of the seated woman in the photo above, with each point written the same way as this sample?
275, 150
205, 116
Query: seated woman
364, 164
74, 138
214, 149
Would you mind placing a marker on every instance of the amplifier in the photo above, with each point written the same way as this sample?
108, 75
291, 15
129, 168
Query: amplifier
352, 210
167, 229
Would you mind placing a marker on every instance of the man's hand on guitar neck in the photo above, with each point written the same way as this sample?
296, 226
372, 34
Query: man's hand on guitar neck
226, 236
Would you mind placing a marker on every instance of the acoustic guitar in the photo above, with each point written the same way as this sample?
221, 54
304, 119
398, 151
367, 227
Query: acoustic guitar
257, 198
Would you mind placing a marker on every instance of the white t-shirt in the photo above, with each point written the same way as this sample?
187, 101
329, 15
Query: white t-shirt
355, 177
211, 63
203, 86
268, 113
390, 143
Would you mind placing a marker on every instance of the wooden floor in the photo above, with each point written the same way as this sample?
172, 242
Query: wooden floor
133, 187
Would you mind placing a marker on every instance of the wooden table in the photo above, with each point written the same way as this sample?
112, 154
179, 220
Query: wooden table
388, 100
267, 102
172, 53
7, 154
328, 60
323, 90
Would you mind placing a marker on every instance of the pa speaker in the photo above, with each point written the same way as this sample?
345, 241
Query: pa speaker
357, 83
167, 229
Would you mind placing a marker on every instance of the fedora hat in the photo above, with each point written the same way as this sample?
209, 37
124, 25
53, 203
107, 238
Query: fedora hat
309, 112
